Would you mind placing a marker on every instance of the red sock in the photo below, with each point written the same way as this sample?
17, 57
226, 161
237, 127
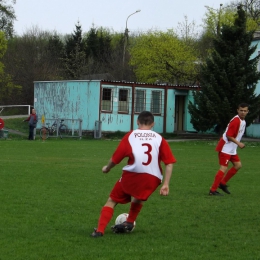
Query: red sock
105, 216
134, 211
219, 176
232, 171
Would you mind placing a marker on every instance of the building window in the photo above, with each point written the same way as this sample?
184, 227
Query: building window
106, 104
139, 101
156, 102
123, 100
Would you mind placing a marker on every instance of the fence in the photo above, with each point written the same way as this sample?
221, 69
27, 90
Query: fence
65, 127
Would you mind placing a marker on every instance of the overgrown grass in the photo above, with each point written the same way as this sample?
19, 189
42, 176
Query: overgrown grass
52, 193
17, 124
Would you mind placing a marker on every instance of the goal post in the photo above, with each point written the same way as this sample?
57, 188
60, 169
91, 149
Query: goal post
15, 110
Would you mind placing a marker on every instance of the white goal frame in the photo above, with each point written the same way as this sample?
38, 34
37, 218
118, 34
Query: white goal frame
29, 107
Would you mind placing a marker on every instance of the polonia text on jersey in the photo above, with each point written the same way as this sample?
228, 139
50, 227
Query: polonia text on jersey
145, 135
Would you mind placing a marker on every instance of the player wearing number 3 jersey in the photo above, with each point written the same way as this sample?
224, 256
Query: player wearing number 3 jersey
145, 150
227, 150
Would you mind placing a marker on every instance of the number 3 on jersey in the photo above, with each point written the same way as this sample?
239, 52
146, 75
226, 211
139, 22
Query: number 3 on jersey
148, 153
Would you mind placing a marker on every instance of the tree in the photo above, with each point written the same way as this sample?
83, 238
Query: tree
187, 31
75, 57
8, 90
228, 78
252, 8
29, 58
98, 49
161, 56
214, 20
55, 53
7, 17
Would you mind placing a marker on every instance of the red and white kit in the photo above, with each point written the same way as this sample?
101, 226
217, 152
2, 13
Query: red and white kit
143, 172
236, 129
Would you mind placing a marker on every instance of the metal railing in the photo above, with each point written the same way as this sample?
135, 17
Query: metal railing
62, 128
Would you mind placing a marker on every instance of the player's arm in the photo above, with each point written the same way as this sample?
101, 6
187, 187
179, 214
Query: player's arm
108, 167
166, 180
232, 132
118, 155
239, 144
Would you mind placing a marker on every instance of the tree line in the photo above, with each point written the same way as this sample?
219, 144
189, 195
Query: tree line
183, 56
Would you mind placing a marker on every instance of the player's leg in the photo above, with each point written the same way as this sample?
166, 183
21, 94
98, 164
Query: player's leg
232, 171
128, 225
223, 161
135, 208
117, 195
105, 216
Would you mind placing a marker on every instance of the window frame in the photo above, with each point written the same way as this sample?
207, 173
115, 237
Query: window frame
126, 101
110, 110
159, 106
137, 99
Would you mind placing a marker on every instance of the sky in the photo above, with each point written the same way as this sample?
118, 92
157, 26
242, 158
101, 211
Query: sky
62, 15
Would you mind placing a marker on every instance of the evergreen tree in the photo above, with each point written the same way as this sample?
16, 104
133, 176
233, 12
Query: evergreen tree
92, 43
228, 77
75, 58
98, 48
55, 54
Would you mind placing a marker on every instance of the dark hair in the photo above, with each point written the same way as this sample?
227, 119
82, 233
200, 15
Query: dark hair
145, 118
243, 105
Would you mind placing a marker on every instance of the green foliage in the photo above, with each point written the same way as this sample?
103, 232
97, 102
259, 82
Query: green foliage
161, 56
215, 19
74, 62
98, 45
7, 88
7, 17
55, 51
3, 47
52, 194
228, 78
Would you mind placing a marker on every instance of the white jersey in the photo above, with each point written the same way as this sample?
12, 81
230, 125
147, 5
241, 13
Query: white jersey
236, 129
145, 148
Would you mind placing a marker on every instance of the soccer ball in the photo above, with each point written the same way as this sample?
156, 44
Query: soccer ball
122, 218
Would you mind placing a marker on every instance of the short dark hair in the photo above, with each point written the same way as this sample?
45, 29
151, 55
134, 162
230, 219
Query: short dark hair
145, 118
243, 105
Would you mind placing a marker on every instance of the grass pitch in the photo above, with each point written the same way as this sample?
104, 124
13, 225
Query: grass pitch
51, 195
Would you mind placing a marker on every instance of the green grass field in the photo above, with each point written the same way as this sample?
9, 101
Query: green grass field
51, 195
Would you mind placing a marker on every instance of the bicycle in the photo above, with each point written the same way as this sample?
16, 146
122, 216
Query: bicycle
48, 130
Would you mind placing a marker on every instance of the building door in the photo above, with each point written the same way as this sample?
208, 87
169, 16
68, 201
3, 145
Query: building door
179, 113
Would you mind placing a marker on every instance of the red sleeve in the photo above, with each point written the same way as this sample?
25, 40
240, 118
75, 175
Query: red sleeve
28, 118
123, 150
166, 155
233, 127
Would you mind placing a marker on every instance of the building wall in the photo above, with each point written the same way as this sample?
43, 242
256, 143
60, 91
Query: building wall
170, 111
82, 99
68, 100
116, 121
254, 129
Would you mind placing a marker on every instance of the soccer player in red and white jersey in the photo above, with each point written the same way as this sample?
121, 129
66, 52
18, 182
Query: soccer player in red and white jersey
145, 150
227, 150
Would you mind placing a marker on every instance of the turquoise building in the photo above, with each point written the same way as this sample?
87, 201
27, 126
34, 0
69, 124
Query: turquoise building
254, 129
114, 105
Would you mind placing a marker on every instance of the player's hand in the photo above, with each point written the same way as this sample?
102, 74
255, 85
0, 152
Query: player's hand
105, 169
241, 145
164, 191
